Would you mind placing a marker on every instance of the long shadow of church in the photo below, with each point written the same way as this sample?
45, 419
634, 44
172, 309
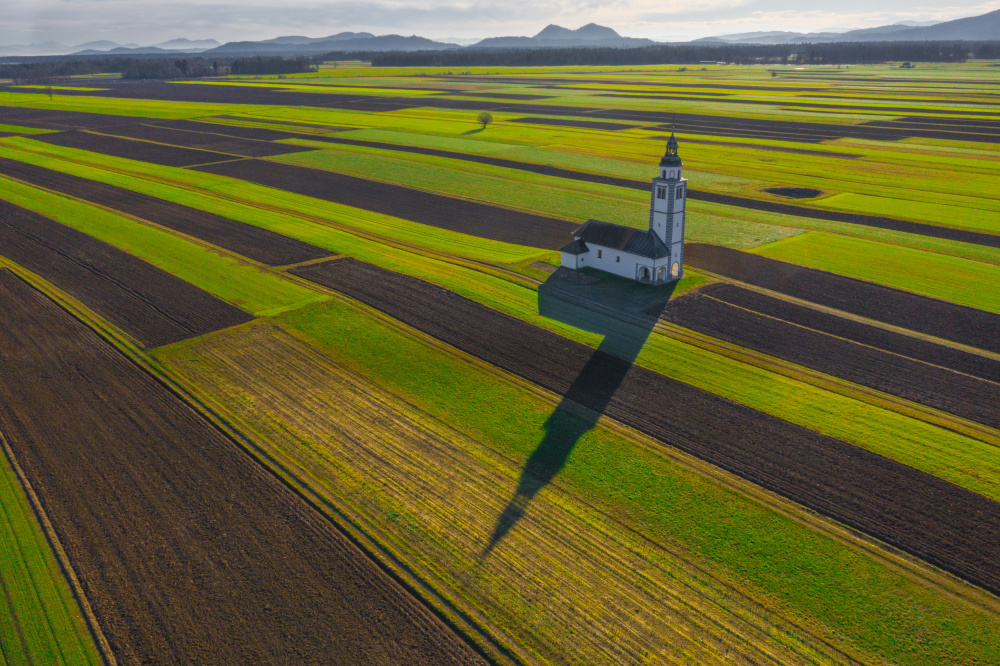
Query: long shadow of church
595, 385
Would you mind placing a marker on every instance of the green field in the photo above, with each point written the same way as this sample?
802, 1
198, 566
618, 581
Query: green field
40, 621
413, 448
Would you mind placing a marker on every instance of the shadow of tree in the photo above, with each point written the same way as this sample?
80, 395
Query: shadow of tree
593, 388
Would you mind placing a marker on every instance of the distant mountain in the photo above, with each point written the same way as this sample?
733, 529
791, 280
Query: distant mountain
974, 28
122, 50
344, 42
100, 45
556, 35
339, 37
184, 44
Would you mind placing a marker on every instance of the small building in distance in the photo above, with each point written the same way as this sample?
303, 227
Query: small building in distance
655, 256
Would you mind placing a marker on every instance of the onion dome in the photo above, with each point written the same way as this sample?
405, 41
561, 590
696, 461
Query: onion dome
671, 158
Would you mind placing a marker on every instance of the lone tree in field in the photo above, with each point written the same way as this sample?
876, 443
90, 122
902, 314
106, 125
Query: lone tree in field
485, 118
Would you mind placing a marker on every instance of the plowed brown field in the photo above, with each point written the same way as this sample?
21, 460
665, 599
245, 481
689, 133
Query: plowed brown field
245, 239
204, 139
188, 551
949, 391
957, 323
467, 217
133, 150
148, 303
897, 343
939, 522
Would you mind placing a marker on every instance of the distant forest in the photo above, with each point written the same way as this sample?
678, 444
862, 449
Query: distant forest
53, 70
56, 70
845, 53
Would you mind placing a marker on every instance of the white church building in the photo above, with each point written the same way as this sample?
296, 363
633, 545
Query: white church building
655, 256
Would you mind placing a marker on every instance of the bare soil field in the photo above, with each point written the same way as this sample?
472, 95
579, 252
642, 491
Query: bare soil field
59, 120
144, 151
841, 327
949, 391
150, 304
939, 522
188, 551
933, 231
585, 124
203, 139
256, 133
245, 239
467, 217
957, 323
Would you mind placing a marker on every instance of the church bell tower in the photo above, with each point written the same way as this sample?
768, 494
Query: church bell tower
666, 210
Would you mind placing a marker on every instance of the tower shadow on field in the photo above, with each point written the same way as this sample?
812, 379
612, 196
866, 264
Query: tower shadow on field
598, 381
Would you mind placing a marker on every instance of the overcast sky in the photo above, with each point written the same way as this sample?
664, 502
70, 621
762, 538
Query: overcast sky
150, 21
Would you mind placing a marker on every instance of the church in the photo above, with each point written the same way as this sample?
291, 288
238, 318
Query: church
655, 256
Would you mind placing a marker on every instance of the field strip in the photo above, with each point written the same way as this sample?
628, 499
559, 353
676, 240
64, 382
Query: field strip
406, 629
806, 375
816, 330
774, 452
913, 566
877, 549
853, 317
489, 271
190, 395
64, 564
880, 222
360, 437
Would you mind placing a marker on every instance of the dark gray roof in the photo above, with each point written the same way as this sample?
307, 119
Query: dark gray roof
576, 247
671, 158
616, 237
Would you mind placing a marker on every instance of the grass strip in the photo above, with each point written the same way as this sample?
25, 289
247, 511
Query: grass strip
809, 575
255, 290
930, 274
40, 621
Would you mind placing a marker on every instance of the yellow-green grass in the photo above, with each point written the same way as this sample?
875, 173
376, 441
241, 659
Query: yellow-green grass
40, 621
971, 283
947, 454
253, 289
547, 195
262, 206
842, 591
940, 214
24, 130
720, 224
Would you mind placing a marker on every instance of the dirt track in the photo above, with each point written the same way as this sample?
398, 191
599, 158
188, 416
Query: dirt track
949, 526
942, 389
957, 323
187, 550
897, 343
245, 239
467, 217
150, 304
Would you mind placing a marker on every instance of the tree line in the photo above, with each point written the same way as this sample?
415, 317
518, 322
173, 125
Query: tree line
53, 71
837, 53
